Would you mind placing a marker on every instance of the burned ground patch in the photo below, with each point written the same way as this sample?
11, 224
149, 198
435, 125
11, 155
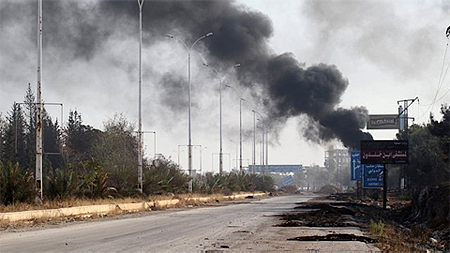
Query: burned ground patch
335, 237
390, 230
319, 215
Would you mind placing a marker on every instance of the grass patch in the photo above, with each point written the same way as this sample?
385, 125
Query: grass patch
377, 228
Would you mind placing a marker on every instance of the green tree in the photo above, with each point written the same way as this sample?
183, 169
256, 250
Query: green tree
441, 129
62, 183
428, 152
15, 185
116, 148
93, 179
164, 176
30, 131
52, 144
79, 138
13, 149
2, 135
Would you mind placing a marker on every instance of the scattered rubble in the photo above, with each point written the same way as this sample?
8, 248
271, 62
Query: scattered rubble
398, 231
329, 189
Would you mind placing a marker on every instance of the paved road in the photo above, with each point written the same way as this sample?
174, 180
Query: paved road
240, 227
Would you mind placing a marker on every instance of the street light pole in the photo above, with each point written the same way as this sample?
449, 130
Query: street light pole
241, 98
140, 141
254, 137
189, 49
39, 125
254, 141
154, 141
265, 141
240, 134
201, 161
263, 128
267, 149
221, 79
240, 124
254, 134
236, 146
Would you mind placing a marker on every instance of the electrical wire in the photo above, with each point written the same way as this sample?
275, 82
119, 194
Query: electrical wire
441, 79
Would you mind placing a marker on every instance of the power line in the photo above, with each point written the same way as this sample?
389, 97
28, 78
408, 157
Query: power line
441, 79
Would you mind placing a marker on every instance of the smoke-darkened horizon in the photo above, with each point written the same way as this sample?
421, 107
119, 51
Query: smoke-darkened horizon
81, 29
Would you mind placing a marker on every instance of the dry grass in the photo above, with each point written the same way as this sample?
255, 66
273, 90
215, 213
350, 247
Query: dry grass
185, 200
54, 204
189, 199
404, 240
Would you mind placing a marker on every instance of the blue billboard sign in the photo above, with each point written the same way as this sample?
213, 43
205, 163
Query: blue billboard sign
373, 176
355, 165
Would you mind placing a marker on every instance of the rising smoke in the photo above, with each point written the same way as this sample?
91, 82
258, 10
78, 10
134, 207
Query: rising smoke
80, 29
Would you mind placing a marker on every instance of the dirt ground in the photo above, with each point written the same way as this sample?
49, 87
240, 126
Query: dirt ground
335, 221
388, 229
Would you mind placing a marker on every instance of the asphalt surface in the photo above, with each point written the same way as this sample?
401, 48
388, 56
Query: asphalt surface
247, 226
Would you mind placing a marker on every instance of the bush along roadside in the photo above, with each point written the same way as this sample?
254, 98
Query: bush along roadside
90, 179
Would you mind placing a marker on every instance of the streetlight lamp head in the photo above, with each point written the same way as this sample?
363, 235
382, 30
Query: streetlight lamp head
226, 85
237, 65
170, 36
209, 34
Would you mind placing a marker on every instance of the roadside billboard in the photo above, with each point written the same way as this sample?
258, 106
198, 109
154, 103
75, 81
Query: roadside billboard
383, 121
384, 152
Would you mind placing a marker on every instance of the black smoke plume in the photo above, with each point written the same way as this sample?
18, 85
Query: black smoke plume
316, 92
80, 29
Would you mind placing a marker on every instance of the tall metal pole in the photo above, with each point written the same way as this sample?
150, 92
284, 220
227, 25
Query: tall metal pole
189, 127
189, 49
221, 79
39, 107
403, 118
236, 146
240, 134
140, 142
201, 161
262, 146
254, 135
179, 155
220, 129
267, 149
240, 123
154, 142
254, 141
154, 146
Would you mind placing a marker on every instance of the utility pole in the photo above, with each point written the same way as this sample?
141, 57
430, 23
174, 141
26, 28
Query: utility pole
403, 125
403, 113
140, 141
38, 174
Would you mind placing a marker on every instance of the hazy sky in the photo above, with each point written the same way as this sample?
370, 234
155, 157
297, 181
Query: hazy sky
313, 69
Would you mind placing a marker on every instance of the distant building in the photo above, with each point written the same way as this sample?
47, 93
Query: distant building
285, 168
337, 158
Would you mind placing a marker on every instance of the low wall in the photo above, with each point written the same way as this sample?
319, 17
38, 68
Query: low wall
109, 208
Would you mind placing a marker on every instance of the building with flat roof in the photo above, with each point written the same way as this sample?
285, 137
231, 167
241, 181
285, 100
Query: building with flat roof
280, 168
